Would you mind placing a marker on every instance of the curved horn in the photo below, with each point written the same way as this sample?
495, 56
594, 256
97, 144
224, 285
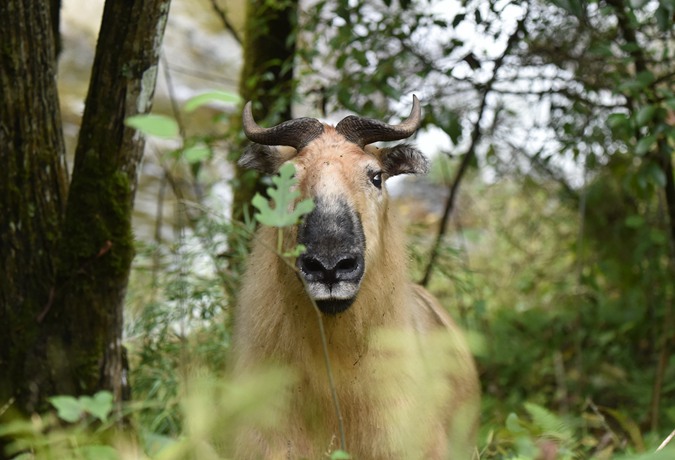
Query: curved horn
295, 133
364, 131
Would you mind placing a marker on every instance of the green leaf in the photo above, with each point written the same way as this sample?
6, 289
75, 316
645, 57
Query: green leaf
17, 428
645, 144
284, 194
457, 19
671, 103
196, 154
339, 455
549, 423
663, 16
655, 174
645, 115
296, 251
209, 97
99, 406
634, 221
154, 125
629, 426
645, 77
99, 452
513, 424
68, 408
617, 120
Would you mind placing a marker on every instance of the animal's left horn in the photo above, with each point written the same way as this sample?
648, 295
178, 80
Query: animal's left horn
295, 133
364, 131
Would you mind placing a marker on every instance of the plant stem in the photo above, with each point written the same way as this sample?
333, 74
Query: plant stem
326, 356
331, 381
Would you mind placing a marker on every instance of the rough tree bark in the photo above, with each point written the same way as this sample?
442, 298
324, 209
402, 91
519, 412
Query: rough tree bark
32, 192
66, 262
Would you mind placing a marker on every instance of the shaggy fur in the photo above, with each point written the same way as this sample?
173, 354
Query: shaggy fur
405, 378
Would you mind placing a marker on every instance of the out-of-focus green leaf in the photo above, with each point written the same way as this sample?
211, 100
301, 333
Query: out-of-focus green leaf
210, 97
154, 125
99, 452
645, 115
197, 153
339, 455
645, 144
67, 407
513, 424
100, 405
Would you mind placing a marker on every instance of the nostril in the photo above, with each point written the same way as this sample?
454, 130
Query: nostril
311, 265
326, 270
347, 265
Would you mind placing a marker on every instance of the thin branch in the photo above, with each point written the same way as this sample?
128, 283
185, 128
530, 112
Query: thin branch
222, 14
470, 154
666, 441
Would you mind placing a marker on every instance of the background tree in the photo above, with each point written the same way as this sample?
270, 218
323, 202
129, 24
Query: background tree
267, 78
66, 256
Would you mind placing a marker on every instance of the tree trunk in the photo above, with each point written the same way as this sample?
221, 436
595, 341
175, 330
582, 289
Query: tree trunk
96, 250
66, 265
32, 194
266, 77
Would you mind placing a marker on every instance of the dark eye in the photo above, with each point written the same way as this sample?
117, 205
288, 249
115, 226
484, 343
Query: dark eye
376, 179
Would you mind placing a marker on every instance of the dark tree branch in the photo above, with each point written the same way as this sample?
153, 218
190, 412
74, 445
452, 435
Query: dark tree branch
476, 135
222, 14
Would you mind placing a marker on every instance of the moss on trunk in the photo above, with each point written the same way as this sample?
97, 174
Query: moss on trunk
66, 262
266, 78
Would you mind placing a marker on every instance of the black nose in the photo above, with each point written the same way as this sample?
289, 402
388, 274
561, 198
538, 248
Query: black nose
330, 270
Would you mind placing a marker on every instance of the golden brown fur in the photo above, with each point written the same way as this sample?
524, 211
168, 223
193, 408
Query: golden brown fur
405, 378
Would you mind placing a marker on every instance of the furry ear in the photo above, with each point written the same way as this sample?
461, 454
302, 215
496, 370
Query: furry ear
264, 158
403, 159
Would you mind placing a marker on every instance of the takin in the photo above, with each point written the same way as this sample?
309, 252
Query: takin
403, 374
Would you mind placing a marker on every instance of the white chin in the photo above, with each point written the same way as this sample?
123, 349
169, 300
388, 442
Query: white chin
342, 290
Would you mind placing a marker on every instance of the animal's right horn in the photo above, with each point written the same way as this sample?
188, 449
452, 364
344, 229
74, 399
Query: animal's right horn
295, 133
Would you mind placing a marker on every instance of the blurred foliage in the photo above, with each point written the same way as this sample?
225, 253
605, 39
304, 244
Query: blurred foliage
560, 259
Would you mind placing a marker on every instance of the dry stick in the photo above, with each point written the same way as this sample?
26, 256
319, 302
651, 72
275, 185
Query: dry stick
666, 441
226, 22
470, 154
159, 222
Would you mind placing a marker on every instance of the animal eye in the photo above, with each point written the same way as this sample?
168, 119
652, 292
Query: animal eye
376, 179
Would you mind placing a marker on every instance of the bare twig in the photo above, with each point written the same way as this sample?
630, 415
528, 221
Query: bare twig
222, 14
666, 441
470, 154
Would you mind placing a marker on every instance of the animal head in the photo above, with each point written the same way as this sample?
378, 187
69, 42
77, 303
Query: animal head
345, 176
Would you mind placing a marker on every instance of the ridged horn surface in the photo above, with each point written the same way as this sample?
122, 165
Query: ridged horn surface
294, 133
364, 131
